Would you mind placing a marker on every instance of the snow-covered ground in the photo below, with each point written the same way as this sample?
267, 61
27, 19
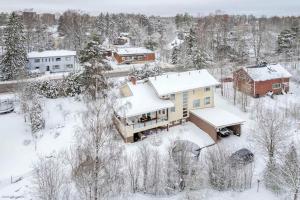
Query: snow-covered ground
18, 150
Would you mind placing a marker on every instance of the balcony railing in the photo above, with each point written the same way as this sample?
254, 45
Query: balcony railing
147, 123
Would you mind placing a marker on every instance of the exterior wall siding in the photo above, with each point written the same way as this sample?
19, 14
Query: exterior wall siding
173, 117
147, 58
210, 130
50, 62
257, 88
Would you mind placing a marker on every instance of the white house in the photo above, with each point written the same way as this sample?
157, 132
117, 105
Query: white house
52, 61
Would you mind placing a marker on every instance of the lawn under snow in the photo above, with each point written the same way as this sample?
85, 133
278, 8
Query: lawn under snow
63, 117
18, 150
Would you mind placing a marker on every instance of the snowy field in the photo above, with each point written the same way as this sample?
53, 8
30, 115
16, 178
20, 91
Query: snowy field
18, 150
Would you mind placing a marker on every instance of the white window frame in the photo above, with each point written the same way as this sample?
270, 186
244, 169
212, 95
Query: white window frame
172, 96
56, 67
69, 66
196, 103
276, 86
207, 100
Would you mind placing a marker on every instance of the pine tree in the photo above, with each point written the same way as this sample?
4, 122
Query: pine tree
15, 57
175, 55
36, 116
93, 59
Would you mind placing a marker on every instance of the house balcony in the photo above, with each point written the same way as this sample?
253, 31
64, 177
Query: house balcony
141, 123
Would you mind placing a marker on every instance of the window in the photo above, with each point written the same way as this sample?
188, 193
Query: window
37, 67
58, 59
173, 109
172, 97
196, 103
68, 58
69, 65
55, 66
37, 60
140, 57
276, 85
207, 100
207, 89
163, 112
123, 58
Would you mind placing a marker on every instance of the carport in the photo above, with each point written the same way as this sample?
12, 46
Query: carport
211, 120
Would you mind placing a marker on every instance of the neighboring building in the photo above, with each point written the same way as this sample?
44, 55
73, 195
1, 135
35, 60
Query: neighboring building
259, 80
29, 18
133, 55
163, 101
52, 61
48, 19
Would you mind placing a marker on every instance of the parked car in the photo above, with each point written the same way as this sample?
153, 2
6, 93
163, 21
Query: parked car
241, 157
224, 132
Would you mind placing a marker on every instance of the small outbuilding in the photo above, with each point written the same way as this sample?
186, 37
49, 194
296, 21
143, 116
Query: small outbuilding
260, 80
211, 120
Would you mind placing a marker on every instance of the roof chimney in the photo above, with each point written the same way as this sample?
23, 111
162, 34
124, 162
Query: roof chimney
133, 80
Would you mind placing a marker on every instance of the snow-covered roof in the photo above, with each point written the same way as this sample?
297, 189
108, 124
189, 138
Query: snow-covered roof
268, 72
184, 81
217, 117
143, 100
51, 53
133, 51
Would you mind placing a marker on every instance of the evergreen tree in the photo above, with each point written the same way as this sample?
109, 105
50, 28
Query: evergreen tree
15, 57
36, 116
175, 55
92, 57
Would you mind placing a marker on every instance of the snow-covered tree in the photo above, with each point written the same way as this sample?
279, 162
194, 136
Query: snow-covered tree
145, 72
271, 133
95, 66
96, 158
13, 64
37, 121
49, 179
290, 172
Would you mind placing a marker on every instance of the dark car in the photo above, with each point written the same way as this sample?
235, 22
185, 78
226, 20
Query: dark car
225, 132
241, 157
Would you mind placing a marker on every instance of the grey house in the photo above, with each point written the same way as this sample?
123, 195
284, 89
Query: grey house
52, 61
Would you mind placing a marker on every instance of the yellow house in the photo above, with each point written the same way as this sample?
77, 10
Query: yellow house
162, 101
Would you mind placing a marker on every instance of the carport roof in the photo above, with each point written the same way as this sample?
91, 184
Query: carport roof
217, 117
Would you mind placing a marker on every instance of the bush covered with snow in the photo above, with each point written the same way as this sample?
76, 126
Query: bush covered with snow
69, 86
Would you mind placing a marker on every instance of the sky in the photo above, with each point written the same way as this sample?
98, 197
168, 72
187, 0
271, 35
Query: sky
159, 7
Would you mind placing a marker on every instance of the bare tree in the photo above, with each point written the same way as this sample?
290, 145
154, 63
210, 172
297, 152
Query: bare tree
133, 166
97, 153
271, 133
49, 179
145, 156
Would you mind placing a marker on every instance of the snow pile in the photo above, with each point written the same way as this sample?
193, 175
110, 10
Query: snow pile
184, 81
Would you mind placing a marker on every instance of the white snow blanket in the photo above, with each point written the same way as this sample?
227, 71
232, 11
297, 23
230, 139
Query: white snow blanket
184, 81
